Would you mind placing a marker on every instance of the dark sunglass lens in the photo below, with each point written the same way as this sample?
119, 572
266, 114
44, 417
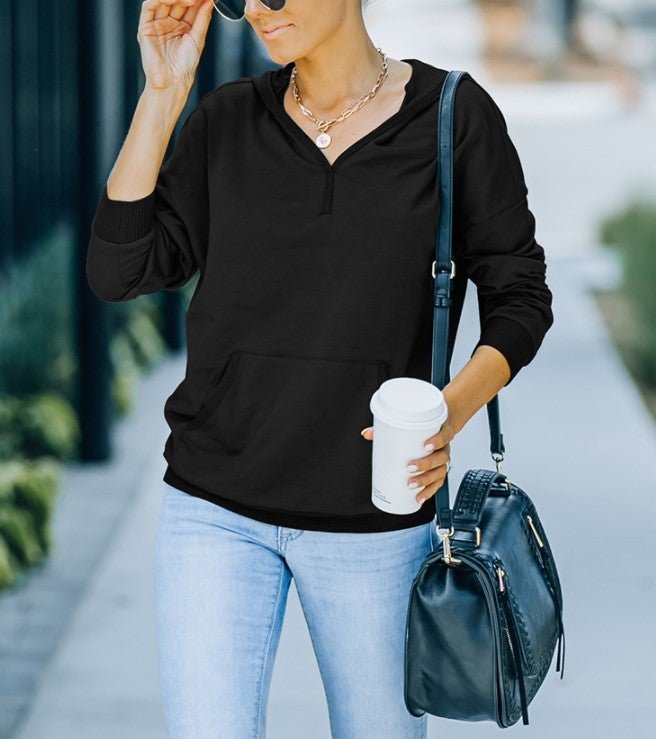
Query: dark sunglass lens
232, 9
274, 4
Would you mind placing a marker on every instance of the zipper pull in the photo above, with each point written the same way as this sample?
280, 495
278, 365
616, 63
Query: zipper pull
500, 575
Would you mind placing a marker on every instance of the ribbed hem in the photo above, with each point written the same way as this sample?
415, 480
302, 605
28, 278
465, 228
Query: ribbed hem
511, 339
122, 221
355, 524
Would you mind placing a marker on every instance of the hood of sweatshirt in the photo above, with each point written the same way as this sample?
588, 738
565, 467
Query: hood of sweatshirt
422, 89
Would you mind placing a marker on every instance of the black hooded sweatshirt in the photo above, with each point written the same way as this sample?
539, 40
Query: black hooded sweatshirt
315, 286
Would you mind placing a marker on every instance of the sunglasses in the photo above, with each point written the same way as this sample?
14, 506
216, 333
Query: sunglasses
233, 10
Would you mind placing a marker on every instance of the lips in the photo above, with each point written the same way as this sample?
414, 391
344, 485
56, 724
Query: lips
275, 31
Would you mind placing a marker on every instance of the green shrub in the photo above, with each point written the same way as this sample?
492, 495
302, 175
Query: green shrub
125, 372
146, 342
36, 321
8, 565
18, 530
9, 436
632, 232
47, 425
28, 488
124, 388
35, 492
10, 473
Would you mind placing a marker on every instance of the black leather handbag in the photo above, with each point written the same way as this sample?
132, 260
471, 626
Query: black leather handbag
485, 609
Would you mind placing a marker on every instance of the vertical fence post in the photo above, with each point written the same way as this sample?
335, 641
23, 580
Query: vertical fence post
100, 125
7, 41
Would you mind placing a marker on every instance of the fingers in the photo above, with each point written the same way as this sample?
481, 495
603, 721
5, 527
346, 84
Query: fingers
178, 9
430, 461
187, 10
429, 491
442, 437
431, 482
431, 472
152, 9
199, 16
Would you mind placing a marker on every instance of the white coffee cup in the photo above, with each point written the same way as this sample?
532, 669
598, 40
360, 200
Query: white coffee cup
406, 411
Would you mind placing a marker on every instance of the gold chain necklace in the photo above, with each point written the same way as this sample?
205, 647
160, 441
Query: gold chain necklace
323, 139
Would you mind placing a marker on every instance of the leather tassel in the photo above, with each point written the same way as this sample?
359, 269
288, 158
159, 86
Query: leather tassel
560, 664
522, 690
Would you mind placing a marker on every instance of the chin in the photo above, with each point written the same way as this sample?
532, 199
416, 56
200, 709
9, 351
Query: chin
280, 55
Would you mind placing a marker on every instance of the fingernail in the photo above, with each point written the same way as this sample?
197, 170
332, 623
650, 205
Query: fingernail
412, 484
363, 430
428, 447
412, 468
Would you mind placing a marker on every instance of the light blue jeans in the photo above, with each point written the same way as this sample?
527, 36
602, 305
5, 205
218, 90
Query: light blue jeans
221, 584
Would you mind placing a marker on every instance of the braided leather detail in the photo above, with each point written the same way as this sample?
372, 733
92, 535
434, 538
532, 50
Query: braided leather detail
521, 624
471, 496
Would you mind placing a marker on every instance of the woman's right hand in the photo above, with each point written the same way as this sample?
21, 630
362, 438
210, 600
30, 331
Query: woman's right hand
171, 36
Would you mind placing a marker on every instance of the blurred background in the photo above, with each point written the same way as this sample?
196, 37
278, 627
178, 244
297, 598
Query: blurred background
83, 382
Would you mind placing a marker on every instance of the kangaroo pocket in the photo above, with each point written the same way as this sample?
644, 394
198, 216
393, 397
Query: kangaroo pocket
283, 432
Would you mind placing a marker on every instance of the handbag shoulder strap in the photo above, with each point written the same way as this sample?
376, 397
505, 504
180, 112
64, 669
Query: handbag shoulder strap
443, 272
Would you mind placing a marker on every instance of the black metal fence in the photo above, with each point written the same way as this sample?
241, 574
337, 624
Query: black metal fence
70, 78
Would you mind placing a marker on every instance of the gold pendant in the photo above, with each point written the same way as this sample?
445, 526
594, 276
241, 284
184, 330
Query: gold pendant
323, 140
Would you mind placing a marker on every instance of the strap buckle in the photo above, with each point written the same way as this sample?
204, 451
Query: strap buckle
498, 458
445, 535
453, 269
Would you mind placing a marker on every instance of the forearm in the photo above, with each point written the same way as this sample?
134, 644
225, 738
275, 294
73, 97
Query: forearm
484, 375
147, 235
135, 171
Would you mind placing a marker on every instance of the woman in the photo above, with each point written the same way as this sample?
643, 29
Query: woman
306, 197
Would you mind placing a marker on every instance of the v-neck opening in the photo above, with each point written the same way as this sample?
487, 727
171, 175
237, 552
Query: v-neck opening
408, 105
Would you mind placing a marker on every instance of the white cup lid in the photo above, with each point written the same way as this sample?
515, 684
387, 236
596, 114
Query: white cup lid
409, 400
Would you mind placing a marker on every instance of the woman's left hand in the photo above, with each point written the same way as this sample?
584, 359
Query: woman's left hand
429, 471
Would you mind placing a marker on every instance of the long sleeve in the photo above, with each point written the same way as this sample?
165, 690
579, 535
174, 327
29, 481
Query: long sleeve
494, 231
156, 242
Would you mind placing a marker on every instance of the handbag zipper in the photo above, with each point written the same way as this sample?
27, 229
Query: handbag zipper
502, 587
501, 574
551, 585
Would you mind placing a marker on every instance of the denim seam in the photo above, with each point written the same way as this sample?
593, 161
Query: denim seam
266, 652
315, 649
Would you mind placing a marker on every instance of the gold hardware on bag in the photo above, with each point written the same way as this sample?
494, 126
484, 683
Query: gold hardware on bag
534, 530
479, 536
446, 545
501, 574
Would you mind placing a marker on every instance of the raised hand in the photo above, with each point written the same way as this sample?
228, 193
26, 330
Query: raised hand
171, 36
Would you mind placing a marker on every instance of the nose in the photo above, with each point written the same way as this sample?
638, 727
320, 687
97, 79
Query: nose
254, 8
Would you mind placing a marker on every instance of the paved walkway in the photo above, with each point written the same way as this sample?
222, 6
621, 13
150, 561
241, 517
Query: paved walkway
578, 440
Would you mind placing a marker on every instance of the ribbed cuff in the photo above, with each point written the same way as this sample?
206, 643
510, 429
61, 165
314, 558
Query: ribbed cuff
511, 339
122, 221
